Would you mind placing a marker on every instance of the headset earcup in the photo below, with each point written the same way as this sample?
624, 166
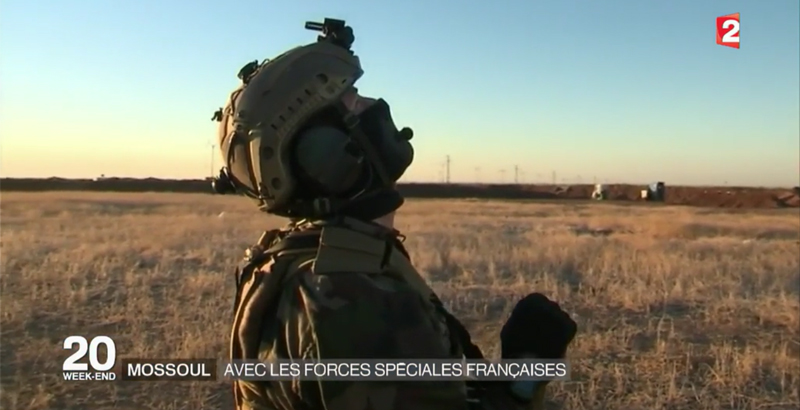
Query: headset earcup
329, 159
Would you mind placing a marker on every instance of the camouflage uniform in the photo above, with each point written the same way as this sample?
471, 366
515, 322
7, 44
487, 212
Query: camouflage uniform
338, 301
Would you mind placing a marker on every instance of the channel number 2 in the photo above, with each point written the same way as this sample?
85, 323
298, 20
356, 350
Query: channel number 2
732, 35
71, 365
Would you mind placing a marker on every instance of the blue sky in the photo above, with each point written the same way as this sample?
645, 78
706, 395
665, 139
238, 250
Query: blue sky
620, 91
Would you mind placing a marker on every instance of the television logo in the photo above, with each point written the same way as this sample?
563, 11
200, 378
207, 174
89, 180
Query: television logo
728, 30
100, 370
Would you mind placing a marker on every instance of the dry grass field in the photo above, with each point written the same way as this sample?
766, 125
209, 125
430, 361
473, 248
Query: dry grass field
678, 308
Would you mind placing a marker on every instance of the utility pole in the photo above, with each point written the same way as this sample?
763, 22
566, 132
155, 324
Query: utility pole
502, 176
447, 170
554, 177
212, 160
516, 174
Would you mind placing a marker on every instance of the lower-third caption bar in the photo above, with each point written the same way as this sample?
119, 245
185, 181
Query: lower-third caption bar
340, 370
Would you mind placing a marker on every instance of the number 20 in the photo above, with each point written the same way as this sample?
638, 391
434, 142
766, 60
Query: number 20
70, 364
731, 36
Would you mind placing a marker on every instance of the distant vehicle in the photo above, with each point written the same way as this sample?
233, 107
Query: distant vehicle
600, 192
655, 192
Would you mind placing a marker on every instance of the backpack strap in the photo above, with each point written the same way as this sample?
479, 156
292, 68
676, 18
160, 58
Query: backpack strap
253, 257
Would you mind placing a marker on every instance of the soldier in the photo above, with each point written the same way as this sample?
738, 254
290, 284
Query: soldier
337, 282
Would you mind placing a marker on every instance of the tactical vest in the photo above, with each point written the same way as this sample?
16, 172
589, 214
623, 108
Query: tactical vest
338, 245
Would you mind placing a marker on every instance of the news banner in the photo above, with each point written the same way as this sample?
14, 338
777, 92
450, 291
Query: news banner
129, 369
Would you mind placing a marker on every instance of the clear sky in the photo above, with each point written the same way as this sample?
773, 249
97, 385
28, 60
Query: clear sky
620, 91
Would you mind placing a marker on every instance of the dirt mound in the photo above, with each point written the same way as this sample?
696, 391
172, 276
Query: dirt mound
789, 199
720, 197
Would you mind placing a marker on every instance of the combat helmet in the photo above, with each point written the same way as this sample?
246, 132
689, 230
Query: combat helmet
289, 141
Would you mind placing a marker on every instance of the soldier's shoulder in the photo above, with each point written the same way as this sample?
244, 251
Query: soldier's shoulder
336, 242
276, 241
355, 255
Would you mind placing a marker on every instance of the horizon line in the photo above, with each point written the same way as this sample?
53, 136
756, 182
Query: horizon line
643, 184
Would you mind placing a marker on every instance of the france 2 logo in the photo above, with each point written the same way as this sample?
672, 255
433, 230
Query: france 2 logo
728, 30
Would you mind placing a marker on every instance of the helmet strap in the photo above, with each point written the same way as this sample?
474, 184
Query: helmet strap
352, 122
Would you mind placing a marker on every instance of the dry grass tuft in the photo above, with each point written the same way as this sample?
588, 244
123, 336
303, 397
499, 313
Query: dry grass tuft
678, 308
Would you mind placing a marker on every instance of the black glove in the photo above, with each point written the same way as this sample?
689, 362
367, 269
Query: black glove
537, 326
